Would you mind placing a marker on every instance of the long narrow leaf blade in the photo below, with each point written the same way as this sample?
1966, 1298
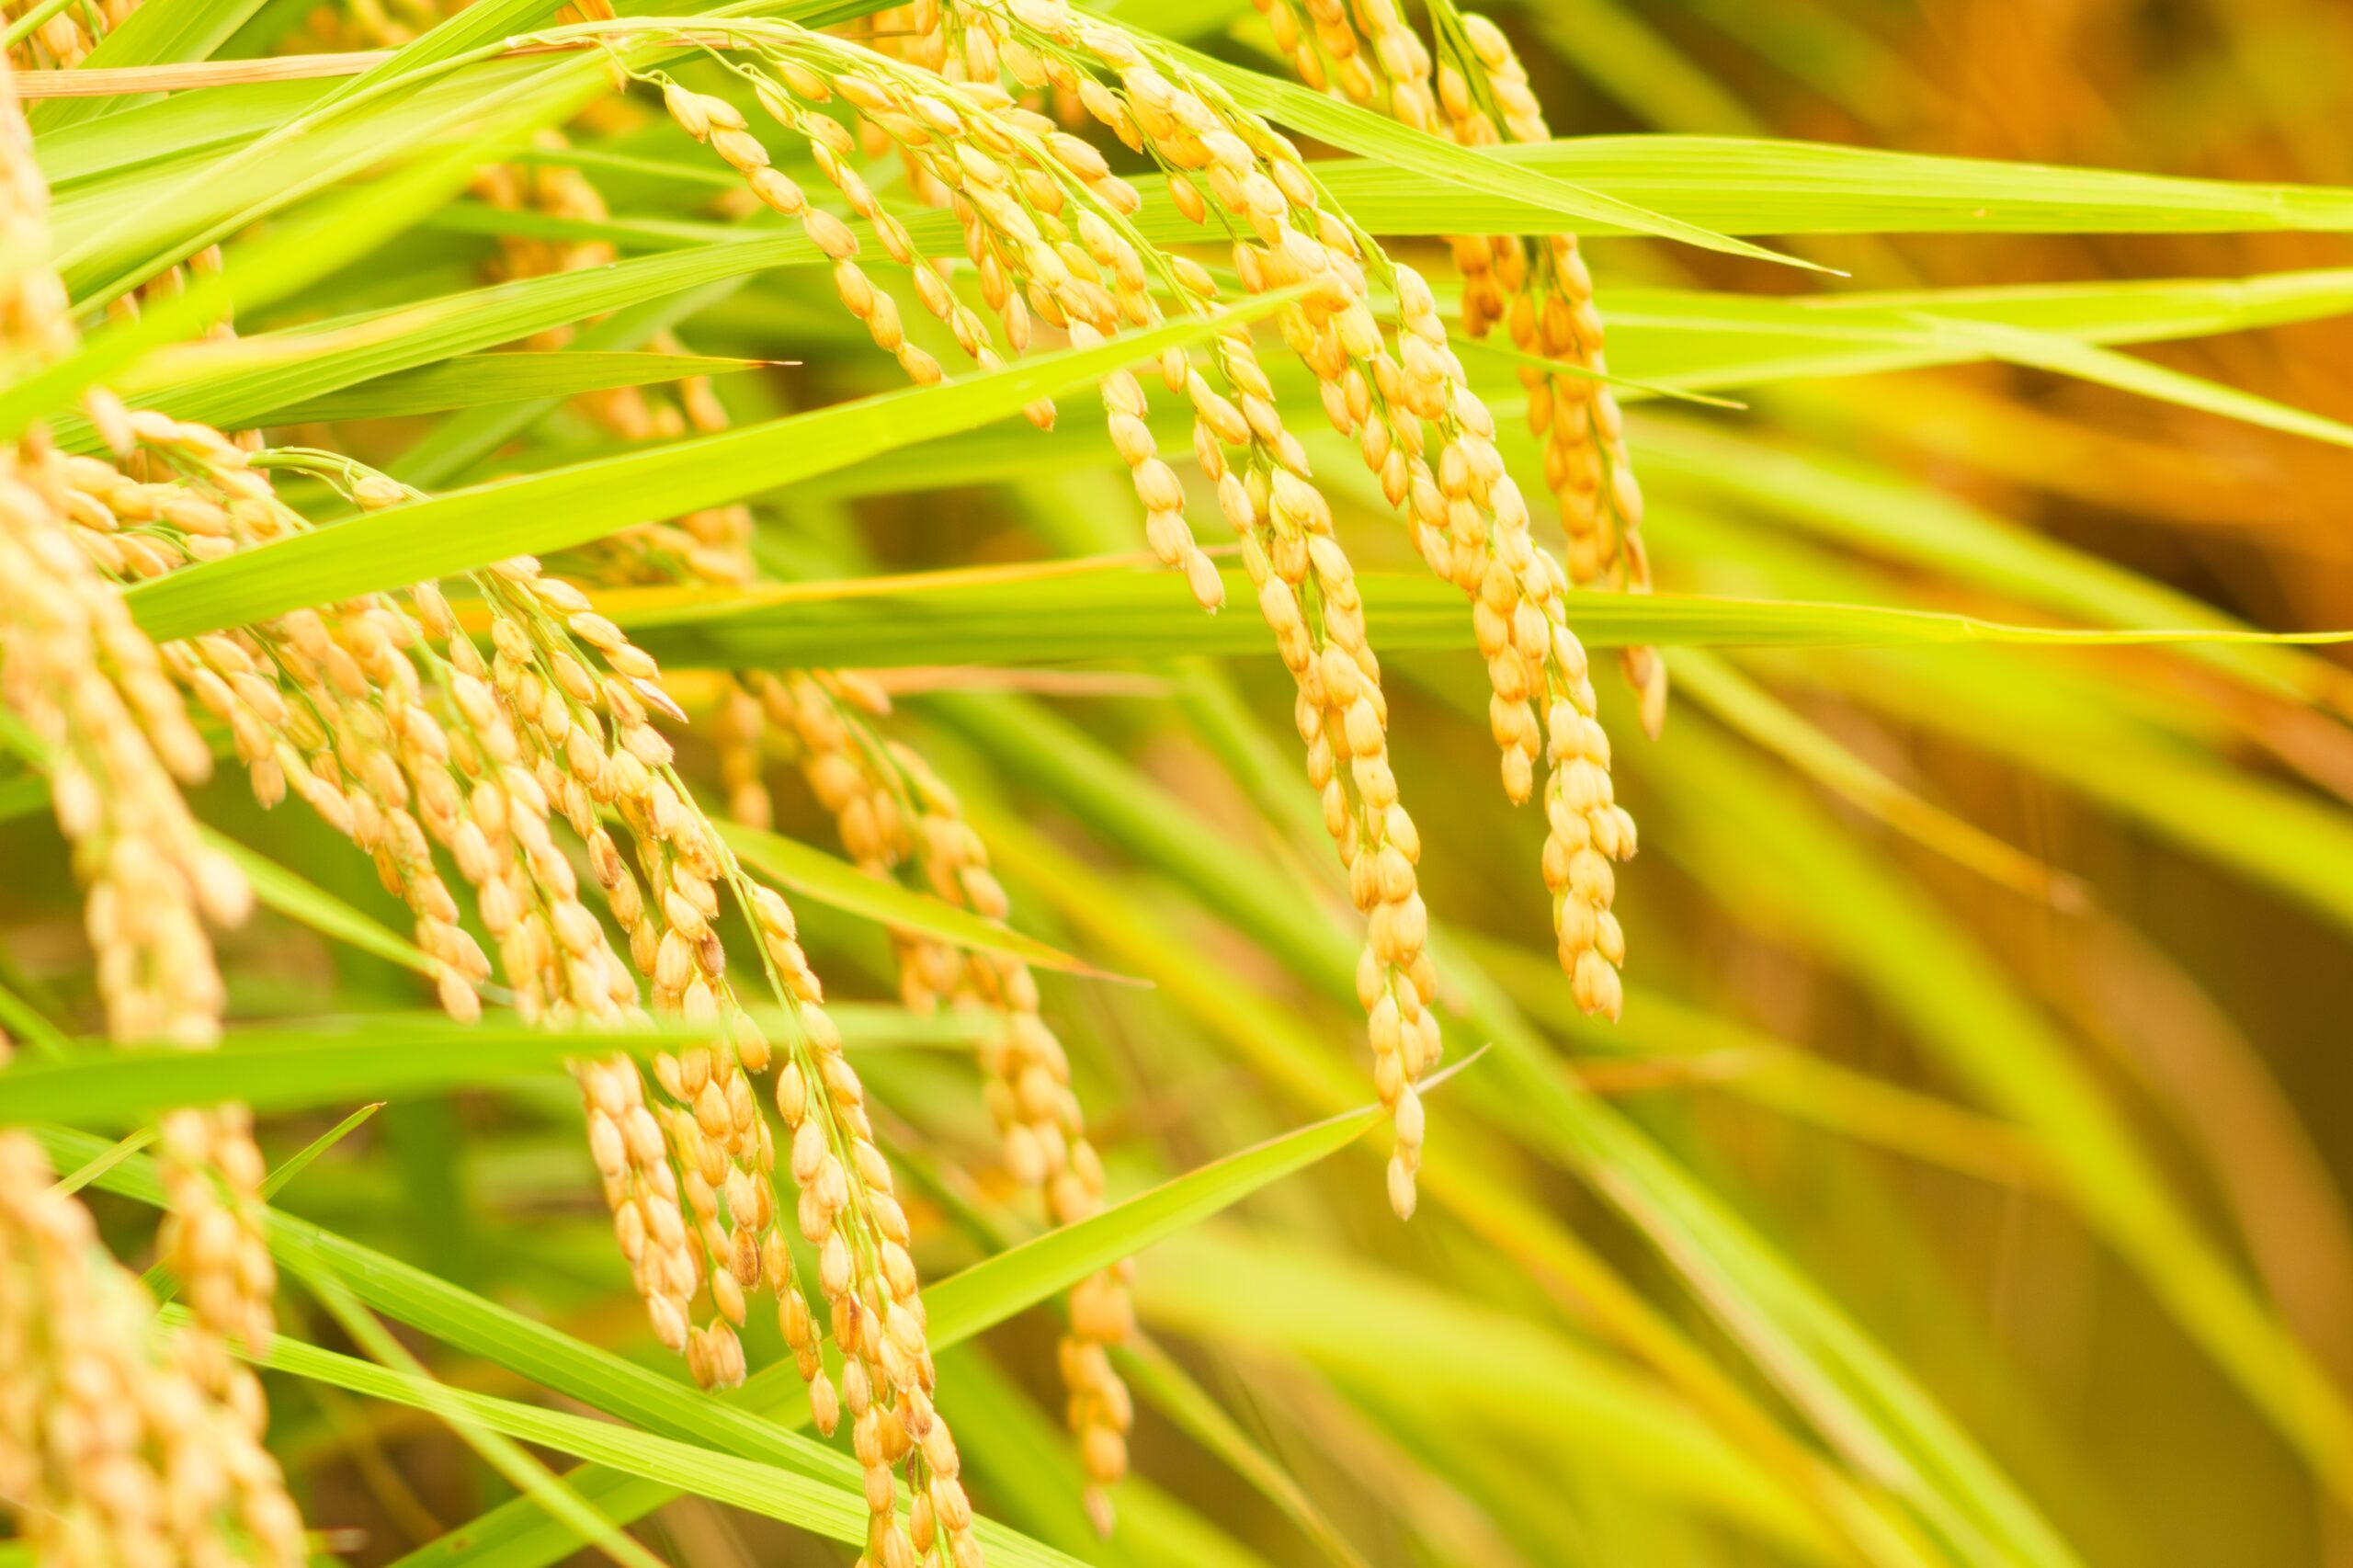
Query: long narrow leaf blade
572, 505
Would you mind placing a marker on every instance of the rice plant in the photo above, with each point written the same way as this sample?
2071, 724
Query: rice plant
962, 640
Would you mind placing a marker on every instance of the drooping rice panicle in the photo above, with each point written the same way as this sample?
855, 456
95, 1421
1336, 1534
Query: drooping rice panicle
1045, 224
579, 695
90, 686
1100, 1406
573, 697
1364, 48
1430, 441
404, 738
557, 722
1010, 176
386, 721
69, 658
1537, 287
1426, 435
93, 691
400, 747
1054, 1154
582, 694
331, 703
1307, 594
1096, 287
789, 92
895, 816
116, 1446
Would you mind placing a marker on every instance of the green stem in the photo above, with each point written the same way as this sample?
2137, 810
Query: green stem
23, 25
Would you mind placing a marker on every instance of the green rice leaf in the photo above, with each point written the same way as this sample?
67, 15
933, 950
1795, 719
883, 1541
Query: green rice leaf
275, 888
1755, 712
83, 1175
990, 1292
28, 1025
460, 33
492, 1441
253, 377
2289, 840
806, 869
269, 268
471, 379
180, 126
1376, 136
304, 1157
164, 32
1853, 505
115, 234
1110, 610
831, 1503
571, 505
295, 1068
2046, 351
1743, 185
1691, 339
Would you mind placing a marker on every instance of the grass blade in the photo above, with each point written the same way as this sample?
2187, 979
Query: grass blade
1749, 709
471, 379
1376, 136
2045, 351
1110, 610
160, 33
500, 1451
291, 1069
302, 1158
473, 527
831, 880
1742, 185
275, 888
